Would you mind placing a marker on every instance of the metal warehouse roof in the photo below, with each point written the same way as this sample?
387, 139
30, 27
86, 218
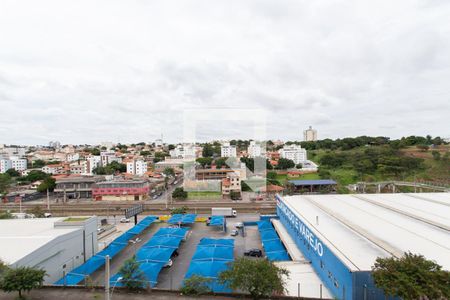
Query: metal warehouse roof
359, 228
312, 182
21, 237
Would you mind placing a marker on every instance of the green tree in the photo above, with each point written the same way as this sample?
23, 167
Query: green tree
221, 162
12, 173
169, 172
436, 155
411, 277
204, 161
196, 285
5, 181
133, 278
179, 210
208, 150
284, 163
259, 277
22, 279
145, 153
179, 193
49, 183
38, 163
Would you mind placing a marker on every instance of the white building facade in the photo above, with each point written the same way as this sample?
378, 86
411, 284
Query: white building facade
294, 152
227, 150
137, 167
256, 150
18, 164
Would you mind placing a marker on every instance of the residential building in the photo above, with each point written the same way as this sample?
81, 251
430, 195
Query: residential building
310, 135
294, 152
72, 157
183, 151
120, 190
227, 150
13, 151
54, 169
231, 184
78, 167
5, 165
93, 162
107, 157
18, 164
137, 167
255, 150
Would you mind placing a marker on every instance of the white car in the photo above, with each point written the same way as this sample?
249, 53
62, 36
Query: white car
124, 220
168, 264
234, 232
239, 225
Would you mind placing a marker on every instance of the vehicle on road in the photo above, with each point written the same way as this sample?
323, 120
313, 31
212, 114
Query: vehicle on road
223, 211
234, 232
239, 225
48, 215
100, 230
253, 252
124, 220
168, 264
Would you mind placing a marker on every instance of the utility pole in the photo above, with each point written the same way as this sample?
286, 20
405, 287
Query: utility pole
48, 201
107, 296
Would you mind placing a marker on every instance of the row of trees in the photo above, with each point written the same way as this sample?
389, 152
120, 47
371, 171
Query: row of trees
6, 179
384, 160
351, 143
110, 168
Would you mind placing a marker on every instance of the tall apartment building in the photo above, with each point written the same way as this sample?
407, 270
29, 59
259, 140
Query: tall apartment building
256, 150
294, 152
92, 163
16, 163
137, 167
310, 135
227, 150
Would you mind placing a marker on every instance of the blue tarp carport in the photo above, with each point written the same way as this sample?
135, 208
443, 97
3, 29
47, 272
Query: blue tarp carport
216, 242
213, 253
210, 259
274, 249
161, 255
181, 232
217, 221
151, 271
77, 275
209, 269
164, 241
182, 219
155, 254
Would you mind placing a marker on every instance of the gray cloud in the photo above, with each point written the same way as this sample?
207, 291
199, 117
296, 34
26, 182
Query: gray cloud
87, 72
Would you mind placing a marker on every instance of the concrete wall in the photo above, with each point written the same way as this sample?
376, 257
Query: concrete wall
63, 250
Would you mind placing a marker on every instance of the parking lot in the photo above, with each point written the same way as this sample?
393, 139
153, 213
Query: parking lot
172, 278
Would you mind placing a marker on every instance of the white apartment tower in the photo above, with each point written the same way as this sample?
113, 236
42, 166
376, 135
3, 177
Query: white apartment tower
256, 150
310, 135
137, 167
293, 152
226, 150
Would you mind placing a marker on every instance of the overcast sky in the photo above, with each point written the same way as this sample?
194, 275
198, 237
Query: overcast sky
92, 71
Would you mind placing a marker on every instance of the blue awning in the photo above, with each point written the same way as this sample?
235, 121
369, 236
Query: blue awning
217, 221
216, 242
213, 253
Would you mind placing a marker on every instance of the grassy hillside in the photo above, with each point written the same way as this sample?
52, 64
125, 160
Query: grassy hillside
379, 163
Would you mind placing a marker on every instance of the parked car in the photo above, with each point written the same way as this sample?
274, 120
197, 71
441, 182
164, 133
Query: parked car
253, 252
239, 225
100, 230
47, 215
168, 264
124, 220
234, 232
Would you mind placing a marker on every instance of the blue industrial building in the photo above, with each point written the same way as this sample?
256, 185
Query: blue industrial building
342, 235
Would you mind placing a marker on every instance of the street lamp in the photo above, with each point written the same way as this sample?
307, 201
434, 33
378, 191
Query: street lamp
117, 281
